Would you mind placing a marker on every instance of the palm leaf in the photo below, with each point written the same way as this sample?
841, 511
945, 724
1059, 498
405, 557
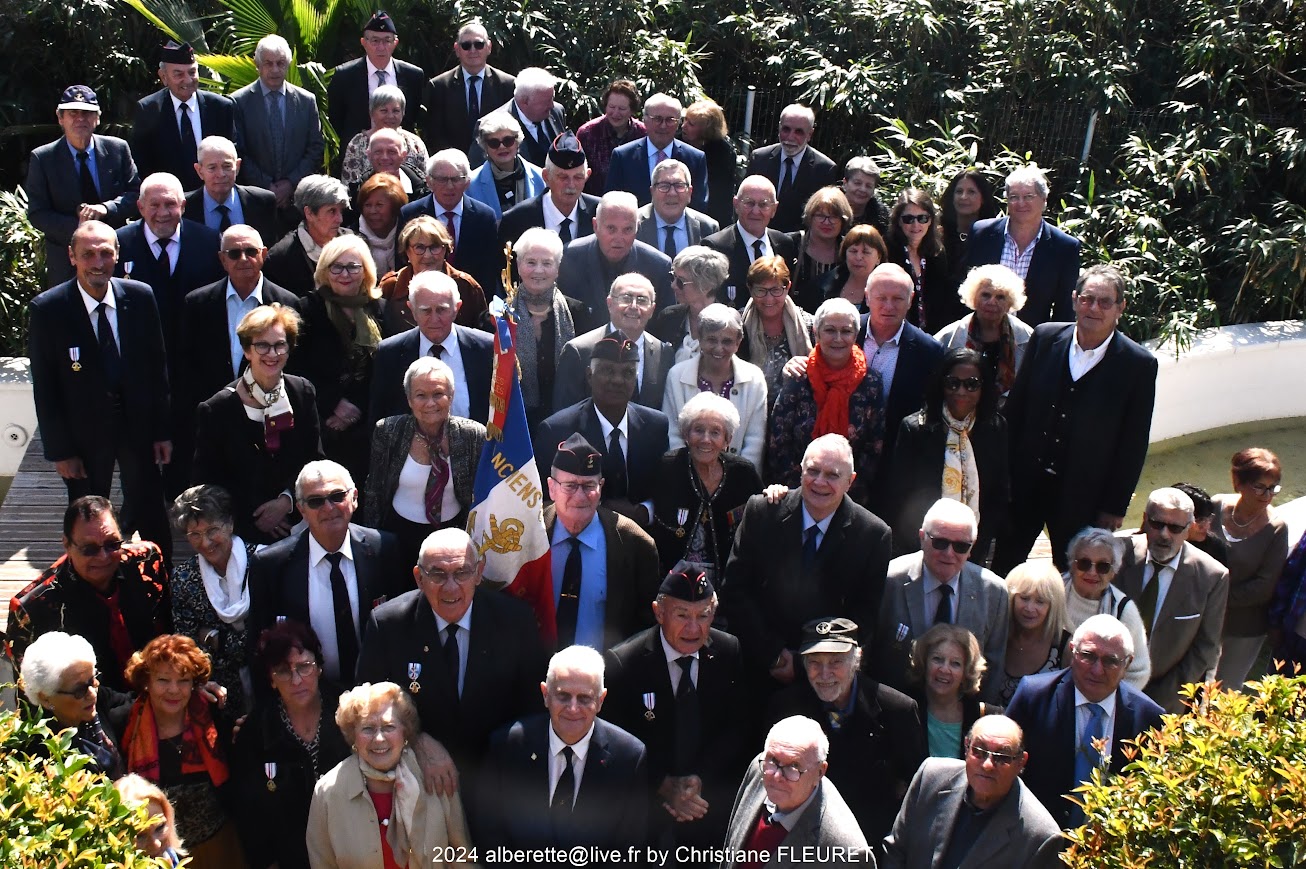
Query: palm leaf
236, 71
175, 18
311, 22
251, 21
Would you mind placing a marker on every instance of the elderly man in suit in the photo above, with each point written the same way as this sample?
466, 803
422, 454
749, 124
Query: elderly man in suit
796, 168
940, 585
221, 202
566, 778
99, 378
1078, 419
278, 128
564, 207
471, 224
632, 164
787, 805
331, 575
667, 222
1068, 714
813, 554
977, 813
458, 98
78, 177
533, 106
1046, 258
434, 301
633, 437
505, 179
591, 264
171, 122
630, 307
750, 237
350, 90
1181, 593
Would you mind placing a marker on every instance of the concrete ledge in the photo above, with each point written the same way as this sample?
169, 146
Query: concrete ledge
17, 412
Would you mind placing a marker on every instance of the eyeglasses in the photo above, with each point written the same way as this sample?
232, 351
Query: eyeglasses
628, 299
1108, 662
776, 291
909, 219
998, 758
381, 41
317, 502
953, 384
750, 204
90, 550
1104, 303
502, 142
345, 268
235, 253
791, 773
212, 534
1266, 490
1023, 198
677, 281
440, 577
79, 692
668, 186
386, 730
424, 249
961, 547
264, 348
822, 217
304, 670
589, 487
447, 179
1158, 525
473, 45
662, 120
1084, 565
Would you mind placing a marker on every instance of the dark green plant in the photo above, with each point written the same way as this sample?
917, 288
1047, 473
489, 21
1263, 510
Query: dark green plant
22, 265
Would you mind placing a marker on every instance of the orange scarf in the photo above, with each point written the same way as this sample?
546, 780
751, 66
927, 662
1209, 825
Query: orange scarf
199, 740
833, 390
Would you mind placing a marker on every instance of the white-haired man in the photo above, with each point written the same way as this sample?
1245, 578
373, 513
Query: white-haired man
457, 98
533, 106
564, 207
594, 262
796, 168
633, 163
222, 203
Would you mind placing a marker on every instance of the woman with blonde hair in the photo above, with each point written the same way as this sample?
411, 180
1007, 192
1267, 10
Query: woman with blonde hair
159, 839
1037, 640
947, 662
704, 127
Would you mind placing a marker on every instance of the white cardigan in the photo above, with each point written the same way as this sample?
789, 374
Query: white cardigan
748, 396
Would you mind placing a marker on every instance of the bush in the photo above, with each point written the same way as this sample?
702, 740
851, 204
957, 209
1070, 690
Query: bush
22, 270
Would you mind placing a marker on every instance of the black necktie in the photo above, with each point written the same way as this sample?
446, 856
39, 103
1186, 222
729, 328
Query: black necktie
809, 545
90, 195
757, 249
669, 246
1151, 592
108, 347
225, 223
615, 483
569, 600
473, 101
165, 264
564, 230
451, 653
786, 177
565, 792
187, 136
437, 350
688, 722
943, 615
346, 638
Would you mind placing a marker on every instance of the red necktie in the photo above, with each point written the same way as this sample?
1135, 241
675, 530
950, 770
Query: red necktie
766, 836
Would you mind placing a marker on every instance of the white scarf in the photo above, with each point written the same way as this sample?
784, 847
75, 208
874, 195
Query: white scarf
228, 594
312, 249
403, 810
382, 246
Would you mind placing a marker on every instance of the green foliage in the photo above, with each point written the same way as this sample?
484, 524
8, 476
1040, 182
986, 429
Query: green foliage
1221, 787
22, 266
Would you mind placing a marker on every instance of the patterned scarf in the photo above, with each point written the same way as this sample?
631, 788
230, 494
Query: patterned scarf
833, 390
363, 331
1006, 352
564, 329
960, 473
199, 739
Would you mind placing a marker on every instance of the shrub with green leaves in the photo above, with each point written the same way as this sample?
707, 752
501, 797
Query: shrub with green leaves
22, 270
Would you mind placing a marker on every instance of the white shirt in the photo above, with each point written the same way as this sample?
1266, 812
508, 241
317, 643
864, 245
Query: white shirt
1083, 361
673, 664
453, 357
463, 638
321, 605
389, 70
1083, 714
624, 439
553, 217
1167, 576
932, 585
193, 111
797, 162
457, 218
557, 762
111, 309
748, 240
174, 246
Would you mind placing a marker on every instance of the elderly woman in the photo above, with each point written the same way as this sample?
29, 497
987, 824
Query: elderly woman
702, 487
369, 812
1095, 556
1037, 641
386, 108
342, 326
291, 262
379, 201
697, 274
775, 328
861, 181
1258, 547
994, 293
171, 739
827, 216
604, 134
837, 394
423, 463
719, 370
426, 243
58, 675
915, 242
289, 742
704, 127
504, 179
159, 840
948, 664
254, 435
210, 590
954, 447
860, 252
546, 319
968, 198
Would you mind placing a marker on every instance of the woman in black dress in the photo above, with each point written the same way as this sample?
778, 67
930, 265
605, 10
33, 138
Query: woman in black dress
916, 243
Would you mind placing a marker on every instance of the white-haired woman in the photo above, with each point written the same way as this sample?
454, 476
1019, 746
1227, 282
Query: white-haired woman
697, 274
322, 202
994, 293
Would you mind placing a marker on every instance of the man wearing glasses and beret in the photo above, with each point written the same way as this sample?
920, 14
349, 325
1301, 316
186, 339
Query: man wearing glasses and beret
352, 83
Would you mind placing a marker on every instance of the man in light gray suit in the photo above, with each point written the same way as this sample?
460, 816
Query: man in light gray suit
276, 163
786, 805
592, 263
975, 814
1181, 594
668, 223
938, 584
630, 307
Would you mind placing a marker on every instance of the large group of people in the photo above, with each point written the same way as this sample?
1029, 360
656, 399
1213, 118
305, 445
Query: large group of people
798, 442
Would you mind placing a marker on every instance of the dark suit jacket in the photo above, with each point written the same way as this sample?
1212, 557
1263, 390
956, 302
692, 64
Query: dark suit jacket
54, 193
698, 225
1044, 707
259, 206
347, 97
396, 353
629, 170
475, 250
1053, 268
768, 595
520, 218
584, 273
531, 151
72, 397
570, 385
501, 682
512, 799
816, 171
647, 439
446, 124
728, 242
288, 266
156, 136
303, 145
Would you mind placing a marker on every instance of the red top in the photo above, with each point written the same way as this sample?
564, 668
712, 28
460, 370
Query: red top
384, 803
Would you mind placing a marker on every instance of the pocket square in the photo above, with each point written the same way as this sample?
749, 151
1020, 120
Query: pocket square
1187, 617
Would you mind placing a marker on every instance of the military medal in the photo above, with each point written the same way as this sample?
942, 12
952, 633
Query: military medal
730, 292
682, 516
650, 700
75, 354
414, 672
270, 770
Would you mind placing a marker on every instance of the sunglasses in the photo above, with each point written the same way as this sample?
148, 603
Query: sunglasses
909, 219
961, 547
317, 502
236, 253
472, 45
954, 384
1158, 525
90, 550
505, 142
80, 692
1084, 565
998, 758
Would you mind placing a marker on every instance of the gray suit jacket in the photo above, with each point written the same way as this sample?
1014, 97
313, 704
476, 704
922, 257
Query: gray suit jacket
1020, 835
700, 226
1184, 642
583, 271
303, 125
827, 822
570, 385
981, 606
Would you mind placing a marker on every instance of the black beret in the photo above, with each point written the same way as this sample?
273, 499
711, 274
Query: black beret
173, 52
380, 22
576, 456
566, 152
616, 348
689, 584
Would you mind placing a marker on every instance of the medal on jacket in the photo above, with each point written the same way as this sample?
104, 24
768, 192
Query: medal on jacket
414, 673
682, 516
730, 292
650, 700
75, 354
270, 770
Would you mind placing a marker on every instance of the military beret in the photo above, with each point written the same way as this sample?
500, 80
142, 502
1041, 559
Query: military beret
689, 584
565, 152
576, 456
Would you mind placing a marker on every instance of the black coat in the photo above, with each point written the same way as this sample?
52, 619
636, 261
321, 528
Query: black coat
258, 205
446, 124
156, 134
287, 265
727, 241
647, 439
673, 491
523, 216
396, 353
347, 97
814, 172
